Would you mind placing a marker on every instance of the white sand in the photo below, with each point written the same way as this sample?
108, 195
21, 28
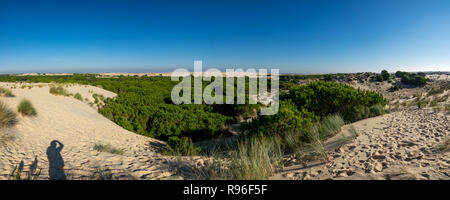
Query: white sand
78, 127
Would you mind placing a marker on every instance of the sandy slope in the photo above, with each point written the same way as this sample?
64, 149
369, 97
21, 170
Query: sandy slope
78, 127
399, 145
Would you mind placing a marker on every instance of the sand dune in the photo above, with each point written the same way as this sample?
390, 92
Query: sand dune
79, 127
399, 145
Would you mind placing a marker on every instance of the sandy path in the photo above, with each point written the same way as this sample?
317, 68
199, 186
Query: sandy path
399, 145
78, 127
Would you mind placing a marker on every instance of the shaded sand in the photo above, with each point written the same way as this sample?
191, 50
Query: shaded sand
78, 127
399, 145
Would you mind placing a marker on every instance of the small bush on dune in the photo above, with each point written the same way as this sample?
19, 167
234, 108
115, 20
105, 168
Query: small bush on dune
434, 91
59, 91
6, 92
180, 147
26, 108
421, 103
108, 148
78, 96
325, 98
7, 116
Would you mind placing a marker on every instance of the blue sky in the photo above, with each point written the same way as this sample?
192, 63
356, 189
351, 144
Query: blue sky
309, 36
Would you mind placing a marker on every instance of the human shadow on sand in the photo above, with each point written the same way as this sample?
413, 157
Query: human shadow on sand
56, 162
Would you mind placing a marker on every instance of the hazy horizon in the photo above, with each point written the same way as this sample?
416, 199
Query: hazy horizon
307, 37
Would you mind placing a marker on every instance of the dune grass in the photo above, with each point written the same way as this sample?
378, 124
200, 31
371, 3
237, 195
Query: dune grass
26, 108
447, 107
5, 92
180, 147
59, 91
443, 146
7, 116
108, 148
260, 157
7, 119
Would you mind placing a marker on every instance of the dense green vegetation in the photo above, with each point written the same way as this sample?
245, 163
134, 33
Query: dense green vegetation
385, 74
7, 116
307, 114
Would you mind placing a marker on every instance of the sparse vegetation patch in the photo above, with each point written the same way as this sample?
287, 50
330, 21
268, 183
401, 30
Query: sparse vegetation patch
7, 116
108, 148
5, 92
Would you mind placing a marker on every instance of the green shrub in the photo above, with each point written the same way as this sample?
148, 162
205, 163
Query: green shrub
413, 79
78, 96
26, 108
181, 147
395, 88
6, 92
434, 91
399, 74
385, 75
7, 116
108, 148
253, 158
260, 156
434, 103
59, 91
326, 98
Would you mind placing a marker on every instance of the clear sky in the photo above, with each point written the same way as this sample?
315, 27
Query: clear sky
309, 36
